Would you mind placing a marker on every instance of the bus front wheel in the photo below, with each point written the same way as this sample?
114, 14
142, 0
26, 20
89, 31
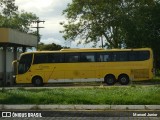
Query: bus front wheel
37, 81
123, 79
110, 79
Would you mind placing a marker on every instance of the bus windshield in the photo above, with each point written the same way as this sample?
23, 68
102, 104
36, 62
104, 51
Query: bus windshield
24, 63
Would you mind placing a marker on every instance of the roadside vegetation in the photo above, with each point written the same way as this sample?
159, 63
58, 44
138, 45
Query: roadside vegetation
115, 95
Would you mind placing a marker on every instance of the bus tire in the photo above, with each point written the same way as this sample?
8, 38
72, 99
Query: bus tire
123, 79
110, 79
37, 81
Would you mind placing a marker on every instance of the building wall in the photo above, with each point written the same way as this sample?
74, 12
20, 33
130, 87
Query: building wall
1, 63
9, 67
8, 35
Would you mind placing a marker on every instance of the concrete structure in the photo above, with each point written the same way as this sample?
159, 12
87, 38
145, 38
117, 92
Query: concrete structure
79, 107
10, 41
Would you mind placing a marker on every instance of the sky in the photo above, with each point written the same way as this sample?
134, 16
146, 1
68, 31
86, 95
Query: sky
51, 12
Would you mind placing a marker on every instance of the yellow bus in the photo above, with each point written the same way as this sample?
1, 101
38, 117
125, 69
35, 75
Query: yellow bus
85, 65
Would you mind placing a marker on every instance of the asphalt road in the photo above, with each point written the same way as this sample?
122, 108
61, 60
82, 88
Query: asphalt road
80, 115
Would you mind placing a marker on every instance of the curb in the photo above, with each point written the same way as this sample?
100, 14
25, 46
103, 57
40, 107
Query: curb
79, 107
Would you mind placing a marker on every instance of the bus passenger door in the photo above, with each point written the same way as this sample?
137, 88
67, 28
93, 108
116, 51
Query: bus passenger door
24, 74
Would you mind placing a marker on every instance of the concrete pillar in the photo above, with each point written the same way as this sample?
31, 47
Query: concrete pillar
4, 65
24, 49
15, 53
15, 58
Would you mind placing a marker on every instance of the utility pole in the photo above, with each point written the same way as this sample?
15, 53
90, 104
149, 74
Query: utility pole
38, 36
102, 41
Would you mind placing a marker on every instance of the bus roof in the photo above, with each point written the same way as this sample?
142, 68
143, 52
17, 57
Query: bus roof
82, 49
87, 50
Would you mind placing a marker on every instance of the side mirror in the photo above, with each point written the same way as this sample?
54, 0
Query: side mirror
15, 61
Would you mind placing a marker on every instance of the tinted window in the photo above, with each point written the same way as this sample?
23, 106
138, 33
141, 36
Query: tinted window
72, 57
116, 56
120, 56
55, 58
139, 55
87, 57
104, 57
144, 55
24, 63
40, 58
48, 58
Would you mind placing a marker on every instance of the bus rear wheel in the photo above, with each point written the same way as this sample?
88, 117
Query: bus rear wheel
37, 81
123, 79
110, 79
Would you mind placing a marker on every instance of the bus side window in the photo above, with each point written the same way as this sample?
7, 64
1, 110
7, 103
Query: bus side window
120, 56
87, 57
40, 58
71, 57
55, 58
132, 56
59, 58
144, 55
84, 58
139, 55
51, 58
105, 57
100, 58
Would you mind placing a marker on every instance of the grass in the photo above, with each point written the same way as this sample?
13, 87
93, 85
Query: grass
154, 81
128, 95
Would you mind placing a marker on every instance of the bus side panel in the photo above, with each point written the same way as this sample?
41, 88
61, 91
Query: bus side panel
55, 72
23, 78
80, 70
114, 68
140, 70
40, 70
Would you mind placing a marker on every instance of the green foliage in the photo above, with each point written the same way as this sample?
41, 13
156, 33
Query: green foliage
122, 23
157, 73
144, 30
90, 20
8, 7
10, 17
137, 95
53, 46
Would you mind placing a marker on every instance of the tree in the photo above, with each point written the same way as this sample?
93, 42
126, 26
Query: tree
142, 27
8, 7
23, 20
90, 20
10, 17
136, 24
122, 23
53, 46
